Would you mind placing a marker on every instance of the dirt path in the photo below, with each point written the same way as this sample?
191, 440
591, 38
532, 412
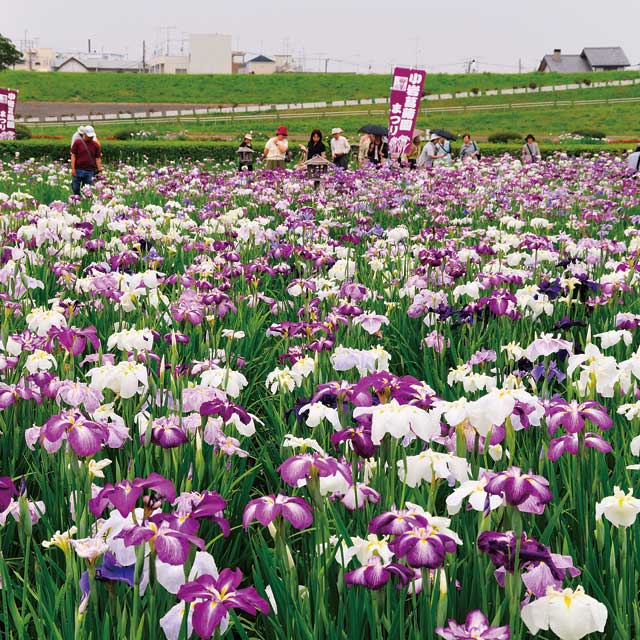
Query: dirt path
36, 109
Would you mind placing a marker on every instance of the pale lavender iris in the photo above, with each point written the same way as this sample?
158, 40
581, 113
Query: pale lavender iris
85, 436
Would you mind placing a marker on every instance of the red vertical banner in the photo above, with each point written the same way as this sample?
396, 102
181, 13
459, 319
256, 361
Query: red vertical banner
404, 104
8, 98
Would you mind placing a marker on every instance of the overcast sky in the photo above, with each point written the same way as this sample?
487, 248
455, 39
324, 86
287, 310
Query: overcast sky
356, 35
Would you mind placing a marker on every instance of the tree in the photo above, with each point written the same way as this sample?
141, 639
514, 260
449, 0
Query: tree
9, 55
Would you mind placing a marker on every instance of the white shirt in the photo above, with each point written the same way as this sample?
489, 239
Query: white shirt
273, 152
634, 160
340, 146
426, 157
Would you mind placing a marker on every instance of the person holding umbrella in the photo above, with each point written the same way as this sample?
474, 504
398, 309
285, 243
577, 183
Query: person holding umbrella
340, 148
378, 150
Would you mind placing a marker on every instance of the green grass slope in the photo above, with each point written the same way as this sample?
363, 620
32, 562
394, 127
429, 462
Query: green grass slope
242, 89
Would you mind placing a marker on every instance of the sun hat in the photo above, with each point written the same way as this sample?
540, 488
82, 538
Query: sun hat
282, 131
336, 130
434, 137
247, 136
81, 129
90, 131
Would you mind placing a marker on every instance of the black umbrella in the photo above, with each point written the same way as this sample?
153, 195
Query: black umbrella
443, 133
374, 129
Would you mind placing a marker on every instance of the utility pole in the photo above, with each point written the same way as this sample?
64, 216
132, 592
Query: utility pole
519, 65
416, 40
326, 65
144, 57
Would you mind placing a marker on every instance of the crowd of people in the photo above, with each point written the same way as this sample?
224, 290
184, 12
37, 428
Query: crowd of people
372, 149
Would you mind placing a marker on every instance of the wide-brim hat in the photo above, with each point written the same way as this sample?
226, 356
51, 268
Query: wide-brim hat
336, 130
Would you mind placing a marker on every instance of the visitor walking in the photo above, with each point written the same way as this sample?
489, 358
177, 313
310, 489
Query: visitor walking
340, 148
469, 151
414, 151
315, 146
86, 160
431, 152
77, 134
634, 160
275, 151
530, 150
363, 148
245, 153
378, 150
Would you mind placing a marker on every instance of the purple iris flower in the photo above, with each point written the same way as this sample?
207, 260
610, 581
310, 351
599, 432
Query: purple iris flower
539, 566
7, 491
226, 410
572, 416
85, 436
476, 626
167, 433
123, 495
216, 597
375, 575
526, 491
267, 508
566, 323
422, 546
299, 467
549, 371
167, 534
570, 443
360, 438
394, 522
74, 340
208, 504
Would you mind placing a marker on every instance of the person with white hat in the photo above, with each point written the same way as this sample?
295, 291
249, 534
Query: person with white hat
245, 151
77, 134
431, 152
86, 160
340, 148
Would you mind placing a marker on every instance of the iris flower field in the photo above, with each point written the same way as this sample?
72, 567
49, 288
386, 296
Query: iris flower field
405, 405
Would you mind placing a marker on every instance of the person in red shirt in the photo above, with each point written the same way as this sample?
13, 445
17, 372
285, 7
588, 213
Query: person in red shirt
86, 160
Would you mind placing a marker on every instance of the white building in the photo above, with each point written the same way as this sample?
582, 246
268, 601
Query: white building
37, 59
169, 64
208, 53
260, 66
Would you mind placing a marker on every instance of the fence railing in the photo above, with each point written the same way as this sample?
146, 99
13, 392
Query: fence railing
173, 114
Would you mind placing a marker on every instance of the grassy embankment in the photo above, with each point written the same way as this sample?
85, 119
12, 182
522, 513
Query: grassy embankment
238, 89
